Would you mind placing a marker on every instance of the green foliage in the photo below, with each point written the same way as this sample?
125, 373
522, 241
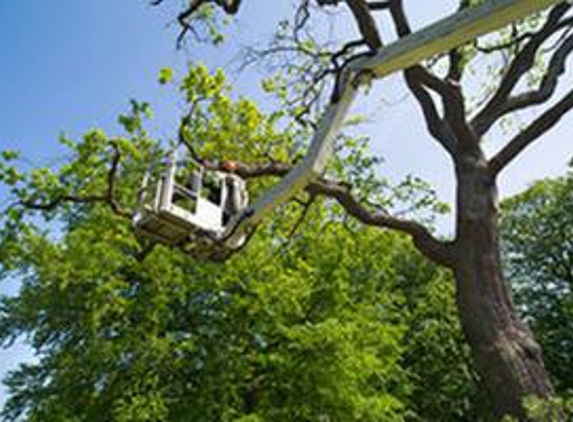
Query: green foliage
165, 75
538, 228
333, 322
443, 382
221, 127
547, 410
313, 332
172, 339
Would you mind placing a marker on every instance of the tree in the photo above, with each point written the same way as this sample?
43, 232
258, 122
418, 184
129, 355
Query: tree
338, 322
539, 262
507, 357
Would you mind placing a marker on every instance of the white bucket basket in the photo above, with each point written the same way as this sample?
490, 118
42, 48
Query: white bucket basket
184, 200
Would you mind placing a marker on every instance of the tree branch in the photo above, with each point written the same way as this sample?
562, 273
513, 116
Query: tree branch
230, 7
547, 87
457, 61
452, 131
531, 133
434, 122
366, 23
108, 198
436, 125
434, 249
379, 5
521, 64
426, 243
453, 105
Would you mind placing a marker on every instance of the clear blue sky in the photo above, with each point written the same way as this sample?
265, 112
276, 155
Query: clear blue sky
69, 65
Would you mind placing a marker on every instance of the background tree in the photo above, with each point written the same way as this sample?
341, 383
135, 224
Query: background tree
506, 355
537, 228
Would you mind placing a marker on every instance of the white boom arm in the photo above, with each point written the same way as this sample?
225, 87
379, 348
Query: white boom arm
442, 36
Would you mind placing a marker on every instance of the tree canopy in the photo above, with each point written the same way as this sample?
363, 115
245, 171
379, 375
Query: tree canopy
537, 227
339, 322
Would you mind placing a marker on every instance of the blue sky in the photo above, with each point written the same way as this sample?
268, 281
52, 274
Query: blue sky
70, 65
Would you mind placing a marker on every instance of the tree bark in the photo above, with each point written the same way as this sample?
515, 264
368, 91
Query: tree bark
507, 357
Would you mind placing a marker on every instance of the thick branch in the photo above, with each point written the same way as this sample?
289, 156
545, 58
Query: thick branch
457, 64
379, 5
453, 104
453, 129
430, 246
400, 19
434, 122
426, 243
521, 64
366, 23
533, 132
547, 88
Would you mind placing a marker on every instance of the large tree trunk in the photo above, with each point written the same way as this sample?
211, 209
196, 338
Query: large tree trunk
506, 355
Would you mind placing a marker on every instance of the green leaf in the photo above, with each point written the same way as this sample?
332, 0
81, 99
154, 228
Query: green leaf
10, 155
165, 75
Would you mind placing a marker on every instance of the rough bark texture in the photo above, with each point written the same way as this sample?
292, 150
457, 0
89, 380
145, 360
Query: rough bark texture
506, 355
